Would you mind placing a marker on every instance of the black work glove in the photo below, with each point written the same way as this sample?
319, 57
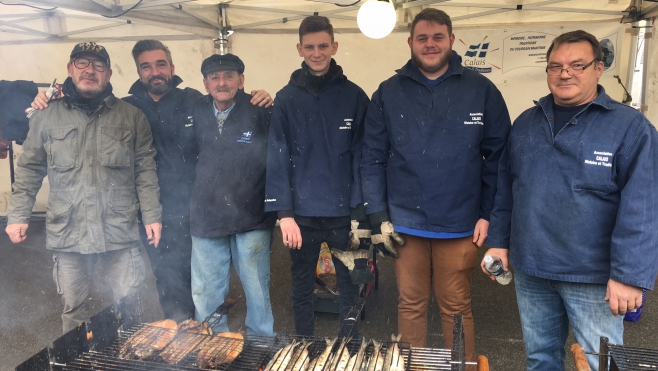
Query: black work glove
383, 235
360, 229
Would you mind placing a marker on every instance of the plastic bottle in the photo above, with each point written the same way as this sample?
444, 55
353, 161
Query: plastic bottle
495, 267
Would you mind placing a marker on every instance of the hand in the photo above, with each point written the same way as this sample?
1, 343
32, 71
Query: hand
622, 297
496, 253
480, 232
383, 238
40, 101
261, 98
292, 237
153, 233
17, 232
358, 236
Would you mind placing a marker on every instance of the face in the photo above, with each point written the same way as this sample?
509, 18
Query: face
569, 91
317, 50
88, 81
155, 72
431, 48
222, 86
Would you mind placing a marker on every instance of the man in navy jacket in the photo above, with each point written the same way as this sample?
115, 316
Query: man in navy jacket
313, 177
577, 208
433, 137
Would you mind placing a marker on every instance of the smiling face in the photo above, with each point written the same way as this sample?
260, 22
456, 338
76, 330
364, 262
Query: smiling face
223, 86
317, 49
88, 81
576, 90
156, 72
431, 48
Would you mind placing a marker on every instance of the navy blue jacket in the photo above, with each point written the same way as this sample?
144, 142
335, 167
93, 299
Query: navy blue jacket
430, 155
172, 126
315, 148
581, 206
229, 188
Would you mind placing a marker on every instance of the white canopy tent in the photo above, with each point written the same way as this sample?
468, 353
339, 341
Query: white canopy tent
36, 37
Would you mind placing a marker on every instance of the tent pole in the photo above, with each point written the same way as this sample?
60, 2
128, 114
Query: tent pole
648, 40
632, 57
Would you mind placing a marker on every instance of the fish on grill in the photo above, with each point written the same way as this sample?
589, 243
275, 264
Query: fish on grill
221, 349
282, 357
191, 335
149, 340
324, 357
397, 361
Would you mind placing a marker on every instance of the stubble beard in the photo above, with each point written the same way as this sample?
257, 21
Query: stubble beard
159, 89
430, 69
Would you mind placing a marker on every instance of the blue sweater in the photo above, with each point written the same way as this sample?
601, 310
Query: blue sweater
431, 155
583, 206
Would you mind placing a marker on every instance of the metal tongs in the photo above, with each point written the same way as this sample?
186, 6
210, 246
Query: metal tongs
49, 94
216, 316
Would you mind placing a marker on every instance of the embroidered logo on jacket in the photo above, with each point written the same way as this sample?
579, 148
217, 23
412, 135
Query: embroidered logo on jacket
476, 119
347, 124
191, 123
246, 137
601, 158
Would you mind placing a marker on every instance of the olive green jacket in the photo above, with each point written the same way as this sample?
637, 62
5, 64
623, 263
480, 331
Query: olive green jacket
101, 170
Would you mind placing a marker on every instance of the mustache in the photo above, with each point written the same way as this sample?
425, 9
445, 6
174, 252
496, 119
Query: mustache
89, 77
158, 77
220, 89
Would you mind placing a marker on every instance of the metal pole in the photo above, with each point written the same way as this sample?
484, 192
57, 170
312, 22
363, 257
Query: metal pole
632, 58
648, 40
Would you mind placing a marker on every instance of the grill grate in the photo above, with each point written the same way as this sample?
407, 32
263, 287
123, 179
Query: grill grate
632, 359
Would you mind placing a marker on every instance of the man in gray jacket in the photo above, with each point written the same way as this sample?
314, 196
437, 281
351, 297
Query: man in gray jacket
97, 152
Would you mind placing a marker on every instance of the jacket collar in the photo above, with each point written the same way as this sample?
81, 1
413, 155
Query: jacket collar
297, 80
454, 68
137, 89
602, 100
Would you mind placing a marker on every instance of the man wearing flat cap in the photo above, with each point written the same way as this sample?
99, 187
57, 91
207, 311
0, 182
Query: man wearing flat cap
228, 220
97, 152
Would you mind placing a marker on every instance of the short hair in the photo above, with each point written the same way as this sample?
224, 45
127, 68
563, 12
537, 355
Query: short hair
574, 37
147, 45
316, 23
432, 15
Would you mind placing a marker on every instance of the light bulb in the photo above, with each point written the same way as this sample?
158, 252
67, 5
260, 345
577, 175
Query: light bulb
376, 18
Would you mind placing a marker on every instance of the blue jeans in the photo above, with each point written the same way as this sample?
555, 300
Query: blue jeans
211, 271
548, 307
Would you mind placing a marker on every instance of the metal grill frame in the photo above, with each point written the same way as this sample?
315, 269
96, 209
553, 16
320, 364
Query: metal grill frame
626, 358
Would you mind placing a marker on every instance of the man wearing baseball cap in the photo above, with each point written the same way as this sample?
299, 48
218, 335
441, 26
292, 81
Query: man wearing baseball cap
228, 219
97, 152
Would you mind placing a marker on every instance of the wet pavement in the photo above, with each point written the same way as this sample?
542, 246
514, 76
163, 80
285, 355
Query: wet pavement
30, 308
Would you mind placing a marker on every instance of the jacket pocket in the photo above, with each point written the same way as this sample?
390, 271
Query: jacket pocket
115, 146
61, 231
138, 268
121, 221
596, 169
62, 147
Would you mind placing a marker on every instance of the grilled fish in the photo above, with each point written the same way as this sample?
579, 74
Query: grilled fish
342, 356
397, 361
191, 336
376, 360
281, 358
149, 340
300, 358
323, 358
357, 359
221, 349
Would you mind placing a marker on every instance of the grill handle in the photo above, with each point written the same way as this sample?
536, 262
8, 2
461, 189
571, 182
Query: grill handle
483, 363
579, 358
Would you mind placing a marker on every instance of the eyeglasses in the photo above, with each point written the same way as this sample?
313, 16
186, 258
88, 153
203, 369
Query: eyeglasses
573, 70
83, 63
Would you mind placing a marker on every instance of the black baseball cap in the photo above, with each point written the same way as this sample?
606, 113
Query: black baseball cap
224, 62
93, 48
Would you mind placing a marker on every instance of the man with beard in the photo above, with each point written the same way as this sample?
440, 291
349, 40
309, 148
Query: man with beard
170, 113
97, 152
433, 137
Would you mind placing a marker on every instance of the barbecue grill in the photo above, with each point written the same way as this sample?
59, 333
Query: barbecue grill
96, 345
617, 357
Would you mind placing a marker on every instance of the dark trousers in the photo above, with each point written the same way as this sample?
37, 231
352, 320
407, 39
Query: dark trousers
304, 263
171, 262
